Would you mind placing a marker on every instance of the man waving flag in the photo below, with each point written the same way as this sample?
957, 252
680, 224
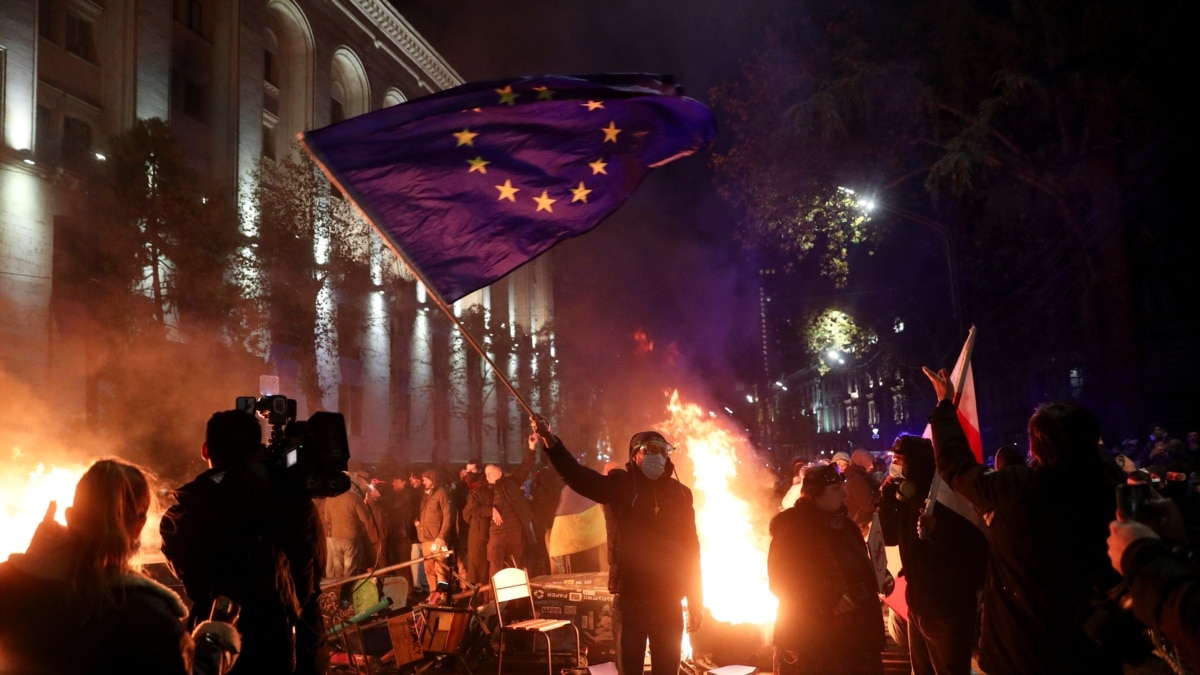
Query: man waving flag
470, 183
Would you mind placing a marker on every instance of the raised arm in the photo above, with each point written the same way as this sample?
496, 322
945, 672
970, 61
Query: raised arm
588, 482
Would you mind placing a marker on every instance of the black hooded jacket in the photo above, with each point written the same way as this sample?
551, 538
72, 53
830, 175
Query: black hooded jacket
1047, 560
945, 571
653, 547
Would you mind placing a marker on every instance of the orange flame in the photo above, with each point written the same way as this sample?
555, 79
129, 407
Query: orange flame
725, 478
25, 492
26, 489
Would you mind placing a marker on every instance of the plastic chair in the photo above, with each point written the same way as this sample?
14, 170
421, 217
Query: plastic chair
510, 590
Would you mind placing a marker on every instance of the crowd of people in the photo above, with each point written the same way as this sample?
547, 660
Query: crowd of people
1049, 565
1040, 570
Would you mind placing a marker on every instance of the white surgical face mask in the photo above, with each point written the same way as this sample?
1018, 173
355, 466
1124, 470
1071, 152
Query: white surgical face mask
653, 466
896, 471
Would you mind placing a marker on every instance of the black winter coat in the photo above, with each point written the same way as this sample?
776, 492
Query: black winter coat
241, 533
653, 547
814, 559
1048, 558
945, 572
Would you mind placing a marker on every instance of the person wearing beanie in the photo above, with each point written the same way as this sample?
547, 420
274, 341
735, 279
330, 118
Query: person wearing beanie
828, 619
841, 460
653, 547
863, 490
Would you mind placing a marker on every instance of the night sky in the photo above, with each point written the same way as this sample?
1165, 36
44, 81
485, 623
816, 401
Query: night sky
665, 261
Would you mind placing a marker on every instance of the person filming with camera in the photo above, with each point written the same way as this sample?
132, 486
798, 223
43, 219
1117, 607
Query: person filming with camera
240, 530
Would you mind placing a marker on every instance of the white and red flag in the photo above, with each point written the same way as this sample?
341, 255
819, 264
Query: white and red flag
968, 417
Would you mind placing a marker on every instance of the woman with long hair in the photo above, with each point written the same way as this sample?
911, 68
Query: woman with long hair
76, 602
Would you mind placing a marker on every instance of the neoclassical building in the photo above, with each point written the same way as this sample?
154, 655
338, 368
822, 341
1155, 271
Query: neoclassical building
237, 80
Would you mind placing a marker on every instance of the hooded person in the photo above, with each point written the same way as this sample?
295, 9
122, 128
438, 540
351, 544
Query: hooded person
943, 564
653, 547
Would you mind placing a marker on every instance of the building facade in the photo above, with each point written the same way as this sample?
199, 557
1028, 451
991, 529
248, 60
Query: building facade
237, 80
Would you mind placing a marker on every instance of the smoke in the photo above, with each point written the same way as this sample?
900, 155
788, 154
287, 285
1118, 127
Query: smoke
147, 403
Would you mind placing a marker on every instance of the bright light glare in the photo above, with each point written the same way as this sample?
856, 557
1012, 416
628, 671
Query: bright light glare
749, 398
832, 354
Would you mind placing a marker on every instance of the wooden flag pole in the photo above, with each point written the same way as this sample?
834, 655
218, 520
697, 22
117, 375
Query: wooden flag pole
449, 312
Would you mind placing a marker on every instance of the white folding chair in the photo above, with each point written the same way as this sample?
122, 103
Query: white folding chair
512, 596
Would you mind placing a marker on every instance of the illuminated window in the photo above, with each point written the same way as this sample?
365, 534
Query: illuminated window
899, 408
1076, 377
79, 39
851, 417
872, 413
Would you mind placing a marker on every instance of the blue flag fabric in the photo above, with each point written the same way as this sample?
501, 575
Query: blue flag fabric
472, 182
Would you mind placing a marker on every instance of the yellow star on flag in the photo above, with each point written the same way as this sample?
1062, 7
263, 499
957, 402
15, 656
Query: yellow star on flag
507, 95
593, 105
610, 132
544, 93
598, 167
478, 164
507, 191
465, 137
544, 202
580, 193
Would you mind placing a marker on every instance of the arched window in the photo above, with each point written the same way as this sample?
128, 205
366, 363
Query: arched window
393, 97
287, 75
349, 90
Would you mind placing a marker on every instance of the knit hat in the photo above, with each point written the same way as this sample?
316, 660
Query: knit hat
841, 455
643, 436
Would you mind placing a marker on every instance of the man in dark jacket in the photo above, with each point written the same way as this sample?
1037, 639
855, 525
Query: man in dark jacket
944, 569
653, 547
1048, 557
238, 531
511, 513
433, 529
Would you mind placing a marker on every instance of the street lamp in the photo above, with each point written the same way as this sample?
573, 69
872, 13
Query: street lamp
868, 204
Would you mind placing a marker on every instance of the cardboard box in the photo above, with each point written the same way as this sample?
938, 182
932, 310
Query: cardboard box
584, 600
406, 639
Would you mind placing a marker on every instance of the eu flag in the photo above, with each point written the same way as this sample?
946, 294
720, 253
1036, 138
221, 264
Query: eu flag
472, 182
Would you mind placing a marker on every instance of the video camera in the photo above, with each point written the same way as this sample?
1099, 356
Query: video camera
311, 454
